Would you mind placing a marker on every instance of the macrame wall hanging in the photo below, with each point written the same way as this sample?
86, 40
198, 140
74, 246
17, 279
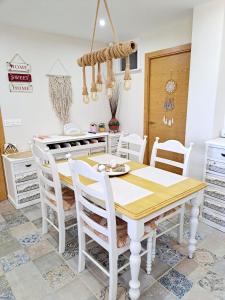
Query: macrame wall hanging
169, 103
94, 59
60, 92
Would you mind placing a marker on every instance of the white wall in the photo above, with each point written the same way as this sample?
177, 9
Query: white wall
131, 108
35, 110
205, 104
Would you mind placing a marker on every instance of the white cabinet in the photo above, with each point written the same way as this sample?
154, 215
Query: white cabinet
213, 208
82, 145
21, 179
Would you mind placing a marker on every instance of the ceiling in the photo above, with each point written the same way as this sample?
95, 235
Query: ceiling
132, 18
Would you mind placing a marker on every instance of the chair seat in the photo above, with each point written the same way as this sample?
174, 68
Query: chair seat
68, 199
152, 224
121, 228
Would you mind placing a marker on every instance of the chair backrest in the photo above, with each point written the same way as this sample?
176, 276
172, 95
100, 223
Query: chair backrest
84, 204
132, 144
50, 184
172, 146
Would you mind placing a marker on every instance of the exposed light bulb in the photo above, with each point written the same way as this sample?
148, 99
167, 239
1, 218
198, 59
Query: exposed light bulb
127, 84
99, 87
86, 99
102, 22
109, 92
94, 96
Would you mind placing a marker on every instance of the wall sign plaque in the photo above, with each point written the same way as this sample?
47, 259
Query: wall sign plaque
19, 75
21, 87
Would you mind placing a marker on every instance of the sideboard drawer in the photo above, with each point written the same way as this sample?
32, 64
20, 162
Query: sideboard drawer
214, 193
26, 187
20, 178
215, 180
28, 197
24, 166
214, 217
215, 205
216, 153
215, 167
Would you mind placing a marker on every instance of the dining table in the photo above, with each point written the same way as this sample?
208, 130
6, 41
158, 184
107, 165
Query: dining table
141, 195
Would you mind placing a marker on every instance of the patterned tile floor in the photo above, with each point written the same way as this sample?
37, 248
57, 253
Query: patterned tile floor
31, 268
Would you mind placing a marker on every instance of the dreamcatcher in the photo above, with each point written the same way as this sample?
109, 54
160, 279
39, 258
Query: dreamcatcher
169, 104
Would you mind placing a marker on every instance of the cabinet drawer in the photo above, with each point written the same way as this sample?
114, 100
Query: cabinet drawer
20, 178
215, 180
216, 153
25, 166
215, 205
215, 167
213, 217
30, 196
215, 193
26, 187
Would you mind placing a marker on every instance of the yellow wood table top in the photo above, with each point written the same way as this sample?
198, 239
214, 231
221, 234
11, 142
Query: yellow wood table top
160, 196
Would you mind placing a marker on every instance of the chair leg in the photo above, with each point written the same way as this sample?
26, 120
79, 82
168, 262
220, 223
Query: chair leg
181, 226
44, 217
82, 247
113, 276
62, 234
149, 253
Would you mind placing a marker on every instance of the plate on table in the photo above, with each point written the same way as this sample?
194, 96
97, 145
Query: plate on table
110, 171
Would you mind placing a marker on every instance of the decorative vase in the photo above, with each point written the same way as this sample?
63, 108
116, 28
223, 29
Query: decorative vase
114, 124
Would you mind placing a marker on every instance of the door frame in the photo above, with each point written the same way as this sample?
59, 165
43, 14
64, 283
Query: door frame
148, 57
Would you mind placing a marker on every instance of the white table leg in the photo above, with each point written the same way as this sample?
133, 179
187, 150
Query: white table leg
194, 224
136, 232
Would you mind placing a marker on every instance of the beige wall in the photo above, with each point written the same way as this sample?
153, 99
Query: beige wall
35, 110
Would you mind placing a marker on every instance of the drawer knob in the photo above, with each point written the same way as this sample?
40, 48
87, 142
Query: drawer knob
223, 154
28, 165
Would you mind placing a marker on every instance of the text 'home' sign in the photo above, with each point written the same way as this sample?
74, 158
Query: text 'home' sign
19, 75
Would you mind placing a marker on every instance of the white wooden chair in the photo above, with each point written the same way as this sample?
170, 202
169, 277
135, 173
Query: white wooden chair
132, 145
99, 221
175, 147
60, 200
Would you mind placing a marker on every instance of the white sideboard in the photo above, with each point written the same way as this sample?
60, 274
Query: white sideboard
21, 179
213, 208
85, 144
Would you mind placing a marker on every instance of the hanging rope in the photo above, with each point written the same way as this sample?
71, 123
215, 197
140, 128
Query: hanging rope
105, 55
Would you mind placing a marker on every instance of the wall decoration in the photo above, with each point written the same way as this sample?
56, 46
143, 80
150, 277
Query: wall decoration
60, 91
106, 55
19, 75
114, 123
169, 104
10, 148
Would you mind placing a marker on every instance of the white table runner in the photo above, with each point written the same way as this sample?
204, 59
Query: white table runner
158, 176
123, 191
107, 158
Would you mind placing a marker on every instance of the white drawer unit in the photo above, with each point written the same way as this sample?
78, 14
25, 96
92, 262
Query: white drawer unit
21, 179
213, 208
113, 140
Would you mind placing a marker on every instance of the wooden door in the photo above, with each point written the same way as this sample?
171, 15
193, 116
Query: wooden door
2, 177
166, 94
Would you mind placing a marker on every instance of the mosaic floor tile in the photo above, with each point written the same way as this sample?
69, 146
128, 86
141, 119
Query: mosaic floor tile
145, 279
157, 292
72, 249
9, 247
213, 282
176, 282
5, 236
38, 223
22, 230
37, 250
76, 289
30, 239
5, 290
14, 218
168, 255
47, 262
205, 258
215, 243
59, 276
32, 212
6, 207
158, 268
14, 260
27, 283
122, 293
186, 266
